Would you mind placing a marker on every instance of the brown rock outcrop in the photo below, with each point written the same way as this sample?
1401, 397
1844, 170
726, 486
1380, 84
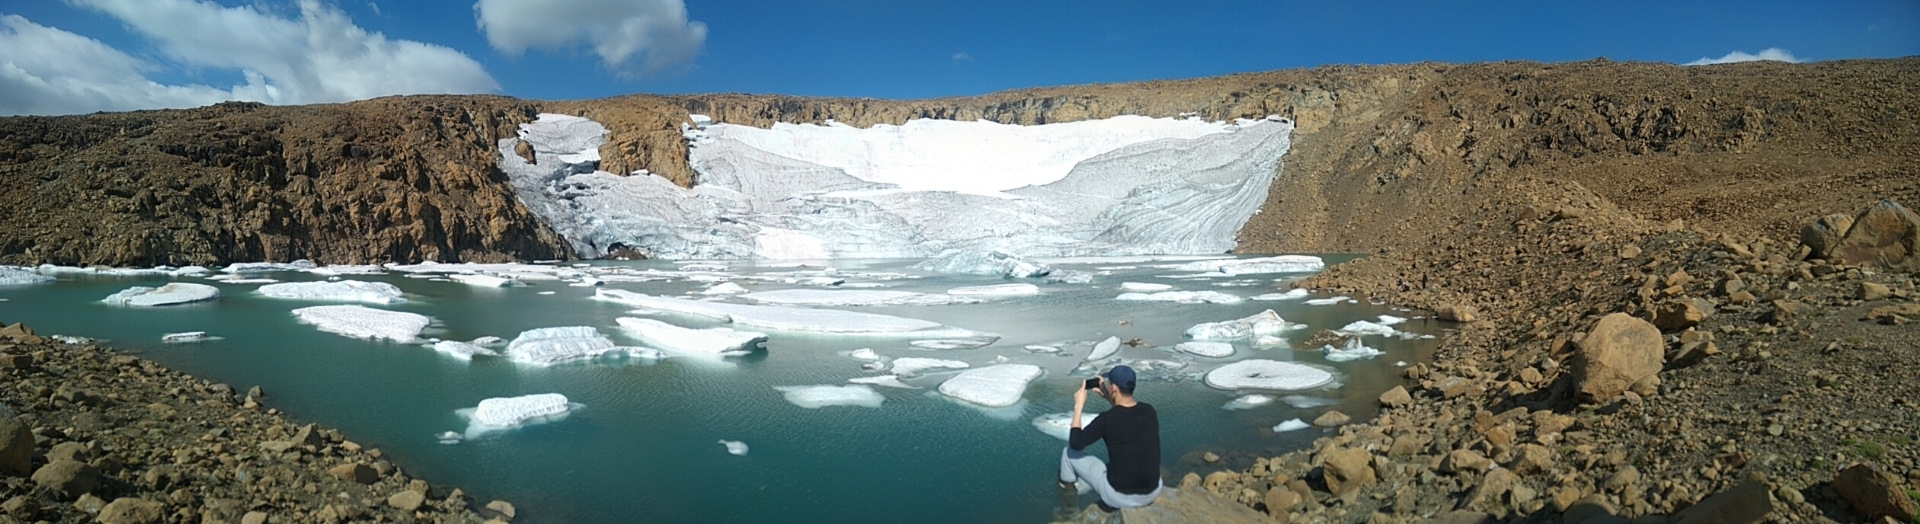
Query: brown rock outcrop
1887, 235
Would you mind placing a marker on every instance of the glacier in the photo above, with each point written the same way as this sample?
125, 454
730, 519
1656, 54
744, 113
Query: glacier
1126, 185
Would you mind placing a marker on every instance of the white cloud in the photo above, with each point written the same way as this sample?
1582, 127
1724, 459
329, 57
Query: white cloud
962, 56
319, 57
656, 33
1771, 53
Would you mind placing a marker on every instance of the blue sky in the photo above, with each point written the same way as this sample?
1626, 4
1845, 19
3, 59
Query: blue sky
77, 56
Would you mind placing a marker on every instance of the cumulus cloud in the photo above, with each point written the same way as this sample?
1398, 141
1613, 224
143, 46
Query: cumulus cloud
1771, 53
319, 57
654, 33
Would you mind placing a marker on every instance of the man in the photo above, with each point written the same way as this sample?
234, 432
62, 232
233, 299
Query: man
1131, 430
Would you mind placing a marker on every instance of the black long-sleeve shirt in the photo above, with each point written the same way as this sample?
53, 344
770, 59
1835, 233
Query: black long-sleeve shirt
1133, 446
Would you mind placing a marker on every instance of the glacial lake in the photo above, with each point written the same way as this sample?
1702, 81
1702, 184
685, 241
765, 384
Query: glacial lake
644, 445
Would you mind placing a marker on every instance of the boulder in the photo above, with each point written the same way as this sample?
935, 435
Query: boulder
1872, 291
502, 508
16, 447
356, 473
1396, 397
1678, 314
1280, 500
1619, 351
1331, 419
1347, 471
407, 500
1457, 313
1874, 494
67, 478
1887, 235
1492, 490
1821, 235
1785, 311
129, 510
74, 451
1531, 458
1746, 503
1464, 460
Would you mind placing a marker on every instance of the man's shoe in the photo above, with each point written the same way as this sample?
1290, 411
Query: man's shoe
1069, 495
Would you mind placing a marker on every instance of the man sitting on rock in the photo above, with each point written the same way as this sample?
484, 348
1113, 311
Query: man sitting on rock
1131, 430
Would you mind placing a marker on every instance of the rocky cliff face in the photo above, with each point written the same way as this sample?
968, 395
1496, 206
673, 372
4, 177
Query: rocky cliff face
1386, 157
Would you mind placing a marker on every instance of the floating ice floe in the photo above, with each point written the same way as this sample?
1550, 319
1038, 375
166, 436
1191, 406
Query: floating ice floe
448, 437
1184, 297
1268, 374
892, 381
262, 267
343, 291
1328, 301
790, 318
554, 345
955, 343
167, 295
852, 297
461, 350
1291, 425
334, 271
992, 386
500, 413
365, 322
482, 280
1306, 402
676, 339
724, 288
187, 337
1106, 348
1352, 350
911, 366
815, 397
1060, 425
1294, 294
191, 271
735, 447
1264, 323
1068, 276
1269, 342
993, 262
1144, 287
864, 354
1362, 327
1206, 349
998, 290
1248, 402
1390, 320
16, 276
1248, 266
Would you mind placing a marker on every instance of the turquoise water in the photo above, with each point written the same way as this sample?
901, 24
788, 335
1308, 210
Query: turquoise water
644, 446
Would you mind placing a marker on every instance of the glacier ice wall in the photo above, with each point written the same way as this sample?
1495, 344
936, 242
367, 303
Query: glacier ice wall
1126, 185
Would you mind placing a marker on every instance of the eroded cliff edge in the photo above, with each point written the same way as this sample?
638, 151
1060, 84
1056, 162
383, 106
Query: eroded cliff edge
1384, 159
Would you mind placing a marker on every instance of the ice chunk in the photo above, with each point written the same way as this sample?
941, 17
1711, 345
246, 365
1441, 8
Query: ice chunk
843, 297
1269, 341
864, 354
1248, 402
1068, 276
1362, 327
1390, 320
461, 350
1306, 402
1060, 425
992, 386
815, 397
1327, 301
1268, 374
1206, 349
892, 381
187, 337
1184, 297
735, 447
167, 295
549, 346
191, 271
1352, 350
15, 276
993, 262
261, 267
1000, 290
910, 366
482, 280
448, 437
790, 318
1106, 348
724, 288
365, 322
1291, 425
344, 291
1294, 294
955, 343
710, 341
501, 413
1265, 323
1144, 286
1247, 266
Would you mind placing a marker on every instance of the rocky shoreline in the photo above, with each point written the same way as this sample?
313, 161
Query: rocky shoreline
91, 435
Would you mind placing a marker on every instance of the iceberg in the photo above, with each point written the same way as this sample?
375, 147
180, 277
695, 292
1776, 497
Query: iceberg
1184, 297
992, 386
461, 350
1106, 348
1250, 266
549, 346
1122, 185
844, 298
676, 339
501, 413
1362, 327
1352, 350
816, 397
864, 354
723, 288
1060, 425
1291, 425
912, 366
892, 381
999, 290
15, 276
1248, 402
1144, 286
187, 337
1268, 374
1206, 349
1294, 294
365, 322
789, 318
1264, 323
735, 447
1390, 320
167, 295
342, 291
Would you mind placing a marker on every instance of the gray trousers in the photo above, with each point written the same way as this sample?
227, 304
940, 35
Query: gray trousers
1077, 465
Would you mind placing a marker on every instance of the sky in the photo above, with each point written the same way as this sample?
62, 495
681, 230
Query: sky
82, 56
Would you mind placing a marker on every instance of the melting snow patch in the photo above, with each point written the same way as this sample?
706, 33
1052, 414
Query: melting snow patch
992, 386
344, 291
1268, 374
503, 413
1291, 425
1060, 425
1264, 323
365, 322
1353, 350
735, 447
167, 295
1000, 290
1248, 402
710, 341
1184, 297
1206, 349
815, 397
549, 346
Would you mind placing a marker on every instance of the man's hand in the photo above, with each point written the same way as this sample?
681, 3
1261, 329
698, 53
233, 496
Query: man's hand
1079, 403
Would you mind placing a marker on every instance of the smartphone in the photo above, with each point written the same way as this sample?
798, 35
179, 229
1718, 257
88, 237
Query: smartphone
1093, 383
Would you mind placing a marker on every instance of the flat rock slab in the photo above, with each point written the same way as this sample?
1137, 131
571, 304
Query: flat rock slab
1192, 505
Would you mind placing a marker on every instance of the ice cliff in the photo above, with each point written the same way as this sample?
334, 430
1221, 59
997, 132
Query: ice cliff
1123, 185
